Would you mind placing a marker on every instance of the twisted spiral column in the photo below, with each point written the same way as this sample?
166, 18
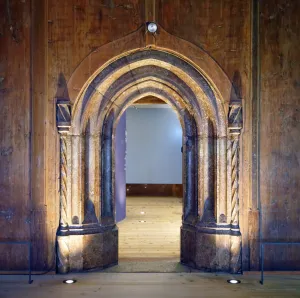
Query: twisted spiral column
235, 125
235, 247
63, 181
235, 179
63, 118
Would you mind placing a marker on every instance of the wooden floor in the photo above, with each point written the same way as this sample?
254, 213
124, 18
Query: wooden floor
149, 285
153, 235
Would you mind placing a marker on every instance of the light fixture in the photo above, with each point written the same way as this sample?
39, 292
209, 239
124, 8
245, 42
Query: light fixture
151, 27
142, 221
142, 212
69, 281
233, 281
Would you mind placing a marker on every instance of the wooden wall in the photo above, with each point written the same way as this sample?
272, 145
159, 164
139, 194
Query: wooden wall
53, 37
279, 40
14, 130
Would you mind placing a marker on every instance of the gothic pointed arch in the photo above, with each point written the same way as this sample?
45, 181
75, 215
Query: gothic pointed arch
101, 88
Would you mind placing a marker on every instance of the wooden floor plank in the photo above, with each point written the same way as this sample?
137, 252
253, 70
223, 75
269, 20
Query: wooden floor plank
149, 285
154, 234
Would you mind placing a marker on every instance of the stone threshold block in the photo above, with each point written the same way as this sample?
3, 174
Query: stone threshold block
84, 249
211, 249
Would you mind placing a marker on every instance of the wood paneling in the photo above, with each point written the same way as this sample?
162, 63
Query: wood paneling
14, 130
173, 190
42, 230
219, 27
279, 130
149, 100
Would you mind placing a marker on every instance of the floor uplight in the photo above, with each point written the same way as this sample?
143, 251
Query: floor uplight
233, 281
69, 281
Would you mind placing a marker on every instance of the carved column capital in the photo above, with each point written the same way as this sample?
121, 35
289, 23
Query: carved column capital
235, 119
63, 115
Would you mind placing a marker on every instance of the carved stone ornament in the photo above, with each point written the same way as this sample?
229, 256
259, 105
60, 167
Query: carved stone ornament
235, 117
63, 115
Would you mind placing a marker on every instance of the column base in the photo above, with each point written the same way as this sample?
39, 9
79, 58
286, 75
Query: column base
211, 249
79, 250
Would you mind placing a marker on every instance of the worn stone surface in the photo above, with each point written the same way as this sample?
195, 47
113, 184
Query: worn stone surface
188, 246
211, 250
87, 251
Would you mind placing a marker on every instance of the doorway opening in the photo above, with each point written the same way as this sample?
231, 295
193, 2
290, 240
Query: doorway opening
148, 187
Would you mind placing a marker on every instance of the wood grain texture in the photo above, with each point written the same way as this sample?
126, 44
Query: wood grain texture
279, 130
158, 237
160, 190
14, 131
149, 100
148, 285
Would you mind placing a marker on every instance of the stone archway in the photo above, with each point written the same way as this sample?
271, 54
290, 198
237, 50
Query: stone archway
210, 236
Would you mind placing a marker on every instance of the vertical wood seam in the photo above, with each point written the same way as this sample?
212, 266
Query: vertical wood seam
255, 90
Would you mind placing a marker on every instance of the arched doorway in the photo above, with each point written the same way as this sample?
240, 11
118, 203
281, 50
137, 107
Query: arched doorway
210, 237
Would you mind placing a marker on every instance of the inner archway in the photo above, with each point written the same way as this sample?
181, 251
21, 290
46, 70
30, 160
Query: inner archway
210, 237
149, 232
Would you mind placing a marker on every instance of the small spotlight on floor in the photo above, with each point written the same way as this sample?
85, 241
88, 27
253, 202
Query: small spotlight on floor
142, 221
233, 281
142, 212
69, 281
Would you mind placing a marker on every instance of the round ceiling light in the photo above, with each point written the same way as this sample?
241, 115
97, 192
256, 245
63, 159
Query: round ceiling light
69, 281
233, 281
152, 27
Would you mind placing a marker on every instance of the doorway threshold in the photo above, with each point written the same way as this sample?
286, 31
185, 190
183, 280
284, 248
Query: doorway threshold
153, 266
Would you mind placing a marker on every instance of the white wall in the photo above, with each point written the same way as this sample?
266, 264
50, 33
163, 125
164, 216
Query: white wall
154, 140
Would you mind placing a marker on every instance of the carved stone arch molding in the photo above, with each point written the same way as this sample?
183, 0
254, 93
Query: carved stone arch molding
99, 91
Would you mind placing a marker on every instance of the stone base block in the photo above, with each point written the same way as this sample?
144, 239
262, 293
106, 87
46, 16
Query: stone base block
88, 251
212, 250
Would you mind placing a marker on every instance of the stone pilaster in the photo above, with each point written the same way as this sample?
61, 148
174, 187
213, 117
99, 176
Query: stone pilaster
235, 124
234, 143
63, 118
